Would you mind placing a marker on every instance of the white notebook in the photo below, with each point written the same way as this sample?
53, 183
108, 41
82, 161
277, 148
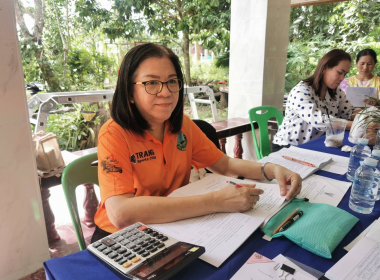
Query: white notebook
320, 160
356, 95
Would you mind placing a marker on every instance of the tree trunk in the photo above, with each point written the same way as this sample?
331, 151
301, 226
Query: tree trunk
185, 49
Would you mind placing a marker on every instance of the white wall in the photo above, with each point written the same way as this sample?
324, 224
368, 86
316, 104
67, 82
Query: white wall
258, 51
23, 237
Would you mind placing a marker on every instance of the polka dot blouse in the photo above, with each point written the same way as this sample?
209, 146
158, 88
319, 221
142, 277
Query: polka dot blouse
306, 113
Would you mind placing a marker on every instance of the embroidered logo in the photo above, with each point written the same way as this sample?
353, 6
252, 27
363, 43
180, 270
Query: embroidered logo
142, 156
110, 165
181, 141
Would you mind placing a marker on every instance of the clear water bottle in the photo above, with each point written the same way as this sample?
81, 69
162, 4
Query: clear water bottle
376, 155
365, 186
358, 153
377, 143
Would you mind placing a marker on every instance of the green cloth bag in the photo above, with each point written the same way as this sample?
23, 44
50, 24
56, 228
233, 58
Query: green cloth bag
319, 230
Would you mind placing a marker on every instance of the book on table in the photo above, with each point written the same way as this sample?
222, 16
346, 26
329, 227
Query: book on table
319, 160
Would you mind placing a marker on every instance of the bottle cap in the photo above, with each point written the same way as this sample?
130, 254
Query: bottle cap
363, 141
376, 153
370, 161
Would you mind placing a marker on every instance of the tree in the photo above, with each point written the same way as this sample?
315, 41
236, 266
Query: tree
34, 39
179, 22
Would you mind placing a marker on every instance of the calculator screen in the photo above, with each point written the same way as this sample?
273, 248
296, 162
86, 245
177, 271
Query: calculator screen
162, 262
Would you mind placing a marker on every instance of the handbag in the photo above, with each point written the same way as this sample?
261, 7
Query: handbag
47, 152
319, 230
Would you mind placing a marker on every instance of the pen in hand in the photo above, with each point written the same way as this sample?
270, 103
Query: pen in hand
235, 184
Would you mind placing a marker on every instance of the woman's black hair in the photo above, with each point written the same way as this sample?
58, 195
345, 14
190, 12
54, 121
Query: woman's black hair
126, 113
366, 52
328, 61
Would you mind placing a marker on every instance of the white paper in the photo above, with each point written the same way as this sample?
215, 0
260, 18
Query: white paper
359, 237
374, 232
357, 94
320, 189
339, 164
271, 270
362, 262
221, 233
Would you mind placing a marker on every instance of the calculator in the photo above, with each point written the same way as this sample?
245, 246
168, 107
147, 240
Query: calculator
140, 252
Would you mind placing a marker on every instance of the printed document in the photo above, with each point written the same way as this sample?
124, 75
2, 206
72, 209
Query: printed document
319, 189
356, 95
320, 160
260, 267
372, 232
221, 233
362, 262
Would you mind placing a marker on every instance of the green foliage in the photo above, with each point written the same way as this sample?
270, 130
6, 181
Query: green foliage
208, 72
315, 30
73, 131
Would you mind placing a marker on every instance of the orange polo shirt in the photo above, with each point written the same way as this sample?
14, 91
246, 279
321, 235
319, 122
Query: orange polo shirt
130, 163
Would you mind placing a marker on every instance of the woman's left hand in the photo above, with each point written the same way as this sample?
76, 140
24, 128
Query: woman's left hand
285, 177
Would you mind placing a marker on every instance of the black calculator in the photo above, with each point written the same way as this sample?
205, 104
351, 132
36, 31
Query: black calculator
140, 252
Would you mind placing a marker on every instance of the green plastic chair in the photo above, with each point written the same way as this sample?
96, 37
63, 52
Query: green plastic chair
262, 119
77, 173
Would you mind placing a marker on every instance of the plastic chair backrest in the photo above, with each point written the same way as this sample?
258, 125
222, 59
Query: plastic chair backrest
77, 173
267, 112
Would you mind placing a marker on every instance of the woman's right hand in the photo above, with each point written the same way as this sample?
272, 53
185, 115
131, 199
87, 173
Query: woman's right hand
237, 199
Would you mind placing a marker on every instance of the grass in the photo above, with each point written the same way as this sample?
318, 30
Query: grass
204, 112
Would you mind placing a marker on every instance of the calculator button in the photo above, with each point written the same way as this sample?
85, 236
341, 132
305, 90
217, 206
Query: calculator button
112, 255
140, 250
146, 238
118, 258
123, 261
97, 244
142, 228
108, 241
134, 231
127, 264
160, 245
122, 250
120, 238
101, 247
133, 238
148, 230
107, 251
139, 241
136, 259
127, 254
145, 254
127, 235
152, 240
164, 238
131, 256
149, 247
159, 236
154, 249
131, 245
137, 248
125, 242
116, 246
144, 244
154, 233
156, 243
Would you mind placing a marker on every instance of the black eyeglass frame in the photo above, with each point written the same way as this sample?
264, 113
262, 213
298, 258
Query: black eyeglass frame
162, 85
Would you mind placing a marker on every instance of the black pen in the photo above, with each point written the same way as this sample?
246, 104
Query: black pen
291, 221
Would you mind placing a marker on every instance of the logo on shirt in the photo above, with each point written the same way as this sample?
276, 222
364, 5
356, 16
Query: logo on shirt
181, 141
110, 165
142, 156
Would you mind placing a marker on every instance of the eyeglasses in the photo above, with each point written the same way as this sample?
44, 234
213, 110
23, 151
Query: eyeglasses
155, 87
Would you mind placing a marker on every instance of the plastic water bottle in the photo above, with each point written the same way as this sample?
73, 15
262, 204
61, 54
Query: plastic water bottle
376, 155
358, 153
365, 186
377, 143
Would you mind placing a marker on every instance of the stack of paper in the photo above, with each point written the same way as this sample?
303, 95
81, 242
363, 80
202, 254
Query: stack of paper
221, 233
260, 267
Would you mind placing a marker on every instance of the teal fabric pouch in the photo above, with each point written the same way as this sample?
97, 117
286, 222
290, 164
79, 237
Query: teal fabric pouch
319, 230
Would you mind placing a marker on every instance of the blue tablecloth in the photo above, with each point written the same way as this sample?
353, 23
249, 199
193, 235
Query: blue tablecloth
83, 265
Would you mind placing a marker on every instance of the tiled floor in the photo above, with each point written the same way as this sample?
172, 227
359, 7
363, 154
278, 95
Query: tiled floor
68, 243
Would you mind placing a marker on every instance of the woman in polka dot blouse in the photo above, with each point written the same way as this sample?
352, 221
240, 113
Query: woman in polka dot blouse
314, 100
